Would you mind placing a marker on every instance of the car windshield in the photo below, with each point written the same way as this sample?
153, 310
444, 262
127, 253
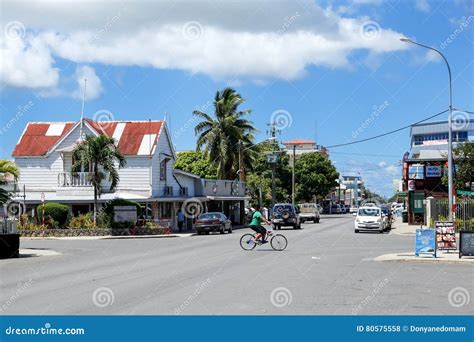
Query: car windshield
209, 216
369, 212
280, 208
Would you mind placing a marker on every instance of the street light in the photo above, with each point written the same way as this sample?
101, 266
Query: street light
450, 114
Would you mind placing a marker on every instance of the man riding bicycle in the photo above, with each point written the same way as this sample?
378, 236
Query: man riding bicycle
256, 225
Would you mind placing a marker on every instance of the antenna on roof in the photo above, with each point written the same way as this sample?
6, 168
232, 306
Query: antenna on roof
82, 109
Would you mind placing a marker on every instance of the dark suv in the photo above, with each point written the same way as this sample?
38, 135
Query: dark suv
286, 215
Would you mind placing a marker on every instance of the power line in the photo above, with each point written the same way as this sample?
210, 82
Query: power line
387, 133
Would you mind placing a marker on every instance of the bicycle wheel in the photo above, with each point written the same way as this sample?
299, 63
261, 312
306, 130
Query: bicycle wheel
247, 242
278, 242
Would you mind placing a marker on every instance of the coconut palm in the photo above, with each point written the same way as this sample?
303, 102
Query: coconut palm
99, 154
221, 135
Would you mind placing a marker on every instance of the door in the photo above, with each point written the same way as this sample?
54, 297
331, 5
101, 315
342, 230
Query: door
417, 202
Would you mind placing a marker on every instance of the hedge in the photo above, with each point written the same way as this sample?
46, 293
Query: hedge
57, 211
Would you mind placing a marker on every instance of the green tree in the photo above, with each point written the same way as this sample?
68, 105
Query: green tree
100, 154
315, 176
463, 155
262, 169
196, 162
7, 167
222, 135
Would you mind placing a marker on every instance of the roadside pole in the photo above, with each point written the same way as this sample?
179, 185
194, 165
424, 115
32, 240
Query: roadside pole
42, 212
293, 177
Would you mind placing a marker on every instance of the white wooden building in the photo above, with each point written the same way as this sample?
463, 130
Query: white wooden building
44, 157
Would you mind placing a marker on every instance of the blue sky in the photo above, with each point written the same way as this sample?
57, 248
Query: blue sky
327, 67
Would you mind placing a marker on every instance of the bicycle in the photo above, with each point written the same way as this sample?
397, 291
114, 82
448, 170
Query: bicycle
277, 241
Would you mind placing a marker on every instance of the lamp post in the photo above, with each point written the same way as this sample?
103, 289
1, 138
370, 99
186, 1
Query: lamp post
450, 138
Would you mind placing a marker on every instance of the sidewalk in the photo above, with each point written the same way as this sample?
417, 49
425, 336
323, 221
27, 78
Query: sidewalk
400, 228
440, 257
108, 237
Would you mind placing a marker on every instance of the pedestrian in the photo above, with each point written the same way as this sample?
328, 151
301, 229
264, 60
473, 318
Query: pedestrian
181, 218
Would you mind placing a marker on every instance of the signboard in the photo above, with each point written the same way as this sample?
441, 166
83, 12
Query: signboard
425, 243
446, 239
465, 193
415, 172
466, 243
411, 185
433, 171
435, 142
272, 158
125, 213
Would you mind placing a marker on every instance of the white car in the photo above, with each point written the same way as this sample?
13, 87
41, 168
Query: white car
369, 218
354, 209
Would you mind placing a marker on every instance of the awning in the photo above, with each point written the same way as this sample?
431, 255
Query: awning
229, 198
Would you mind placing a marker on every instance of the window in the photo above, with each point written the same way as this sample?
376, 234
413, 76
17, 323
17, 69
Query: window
163, 169
165, 210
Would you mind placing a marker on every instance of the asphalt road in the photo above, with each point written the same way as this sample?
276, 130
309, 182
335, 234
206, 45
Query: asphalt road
326, 269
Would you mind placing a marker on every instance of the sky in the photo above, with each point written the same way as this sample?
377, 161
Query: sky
330, 71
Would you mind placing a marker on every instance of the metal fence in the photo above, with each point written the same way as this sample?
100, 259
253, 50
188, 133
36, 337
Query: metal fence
464, 212
8, 226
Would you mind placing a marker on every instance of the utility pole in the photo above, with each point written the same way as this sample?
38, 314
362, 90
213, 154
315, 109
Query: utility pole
273, 132
260, 196
293, 176
241, 163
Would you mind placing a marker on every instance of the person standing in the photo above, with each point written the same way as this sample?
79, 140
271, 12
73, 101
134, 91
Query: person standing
181, 218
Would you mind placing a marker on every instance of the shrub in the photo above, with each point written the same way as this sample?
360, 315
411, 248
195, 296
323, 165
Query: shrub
25, 223
104, 220
82, 221
55, 213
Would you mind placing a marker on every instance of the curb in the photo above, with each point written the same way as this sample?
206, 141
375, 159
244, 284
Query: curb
410, 257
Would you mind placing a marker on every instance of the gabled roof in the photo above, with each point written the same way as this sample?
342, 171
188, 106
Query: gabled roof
133, 137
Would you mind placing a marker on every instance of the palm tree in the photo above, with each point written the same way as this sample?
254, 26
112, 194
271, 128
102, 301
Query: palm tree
7, 167
99, 154
223, 135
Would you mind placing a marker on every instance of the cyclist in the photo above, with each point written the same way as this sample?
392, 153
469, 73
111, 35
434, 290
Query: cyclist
256, 224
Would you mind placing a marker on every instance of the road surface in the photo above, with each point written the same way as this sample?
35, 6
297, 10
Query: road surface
326, 269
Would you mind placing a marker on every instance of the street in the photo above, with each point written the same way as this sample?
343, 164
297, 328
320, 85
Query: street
325, 270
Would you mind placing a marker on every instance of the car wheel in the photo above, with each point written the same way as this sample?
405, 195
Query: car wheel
356, 230
316, 220
230, 230
381, 231
222, 230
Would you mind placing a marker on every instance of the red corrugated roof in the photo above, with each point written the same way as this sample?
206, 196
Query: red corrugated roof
299, 141
35, 142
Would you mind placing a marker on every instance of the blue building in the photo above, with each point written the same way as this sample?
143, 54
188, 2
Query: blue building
429, 140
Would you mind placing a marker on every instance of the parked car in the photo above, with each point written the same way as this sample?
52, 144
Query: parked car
388, 216
353, 209
212, 222
335, 209
309, 212
343, 208
285, 215
369, 218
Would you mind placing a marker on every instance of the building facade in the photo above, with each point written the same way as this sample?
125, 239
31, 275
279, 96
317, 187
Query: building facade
44, 155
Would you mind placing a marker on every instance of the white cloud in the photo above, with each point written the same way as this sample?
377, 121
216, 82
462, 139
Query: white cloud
26, 63
276, 41
423, 6
94, 84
